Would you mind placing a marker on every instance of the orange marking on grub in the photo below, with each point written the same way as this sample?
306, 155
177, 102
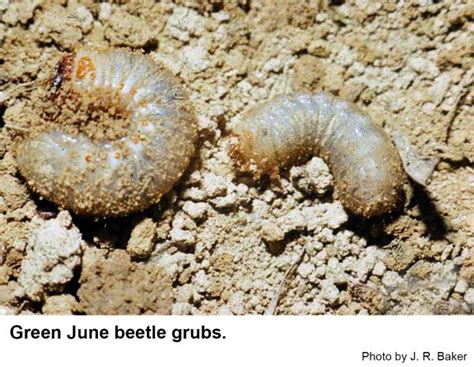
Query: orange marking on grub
85, 66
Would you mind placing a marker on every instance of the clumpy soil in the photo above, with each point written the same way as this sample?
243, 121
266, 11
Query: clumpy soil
220, 242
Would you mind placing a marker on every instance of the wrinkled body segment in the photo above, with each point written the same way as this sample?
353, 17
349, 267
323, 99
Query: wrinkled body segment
95, 172
366, 166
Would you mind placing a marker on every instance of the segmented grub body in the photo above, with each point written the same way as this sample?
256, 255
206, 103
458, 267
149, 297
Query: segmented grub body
118, 133
366, 166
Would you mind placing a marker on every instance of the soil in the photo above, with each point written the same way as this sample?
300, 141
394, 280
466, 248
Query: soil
220, 242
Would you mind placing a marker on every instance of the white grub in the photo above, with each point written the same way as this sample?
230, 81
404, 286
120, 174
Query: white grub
367, 170
105, 177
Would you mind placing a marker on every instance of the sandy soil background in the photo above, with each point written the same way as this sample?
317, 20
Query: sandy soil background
219, 243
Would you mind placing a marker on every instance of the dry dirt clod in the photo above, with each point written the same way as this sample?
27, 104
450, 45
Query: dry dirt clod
53, 254
142, 240
117, 286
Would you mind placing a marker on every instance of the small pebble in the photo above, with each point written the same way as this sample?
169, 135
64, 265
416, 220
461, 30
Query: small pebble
469, 296
142, 240
195, 210
461, 286
292, 221
182, 239
379, 269
214, 185
391, 279
329, 291
271, 232
305, 269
